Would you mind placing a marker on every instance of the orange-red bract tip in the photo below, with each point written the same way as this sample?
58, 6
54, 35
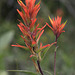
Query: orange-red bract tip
33, 42
32, 56
40, 35
45, 46
17, 45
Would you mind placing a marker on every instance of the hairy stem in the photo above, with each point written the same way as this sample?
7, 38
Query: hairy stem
36, 66
55, 63
55, 57
39, 67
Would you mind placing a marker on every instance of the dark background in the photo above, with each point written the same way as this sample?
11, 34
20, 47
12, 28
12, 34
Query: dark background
17, 58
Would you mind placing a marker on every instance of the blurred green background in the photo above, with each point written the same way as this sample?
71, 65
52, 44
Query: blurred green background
13, 58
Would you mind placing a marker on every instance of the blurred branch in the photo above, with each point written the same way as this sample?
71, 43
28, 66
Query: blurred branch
69, 6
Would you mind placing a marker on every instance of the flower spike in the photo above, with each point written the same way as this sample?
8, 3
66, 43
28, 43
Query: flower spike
31, 32
57, 27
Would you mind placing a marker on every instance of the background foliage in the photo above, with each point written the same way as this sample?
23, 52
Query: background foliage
13, 58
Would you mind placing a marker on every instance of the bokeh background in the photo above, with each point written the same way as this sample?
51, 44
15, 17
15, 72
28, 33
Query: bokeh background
13, 58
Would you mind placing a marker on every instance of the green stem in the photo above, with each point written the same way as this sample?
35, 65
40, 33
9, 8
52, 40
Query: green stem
55, 57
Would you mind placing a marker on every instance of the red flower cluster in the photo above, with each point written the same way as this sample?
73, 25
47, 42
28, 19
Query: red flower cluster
57, 27
31, 33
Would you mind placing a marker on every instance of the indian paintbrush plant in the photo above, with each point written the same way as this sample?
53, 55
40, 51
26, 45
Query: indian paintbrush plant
32, 33
57, 29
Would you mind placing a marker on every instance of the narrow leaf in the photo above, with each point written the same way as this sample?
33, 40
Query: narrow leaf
47, 72
44, 52
43, 48
24, 71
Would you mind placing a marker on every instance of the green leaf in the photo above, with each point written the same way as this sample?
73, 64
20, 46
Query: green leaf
5, 40
39, 50
34, 57
47, 72
44, 52
24, 71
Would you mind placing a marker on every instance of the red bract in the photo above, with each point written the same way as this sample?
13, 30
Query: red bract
29, 12
57, 27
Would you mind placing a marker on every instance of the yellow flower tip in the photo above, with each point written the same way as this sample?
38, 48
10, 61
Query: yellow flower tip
20, 1
50, 19
65, 22
39, 2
